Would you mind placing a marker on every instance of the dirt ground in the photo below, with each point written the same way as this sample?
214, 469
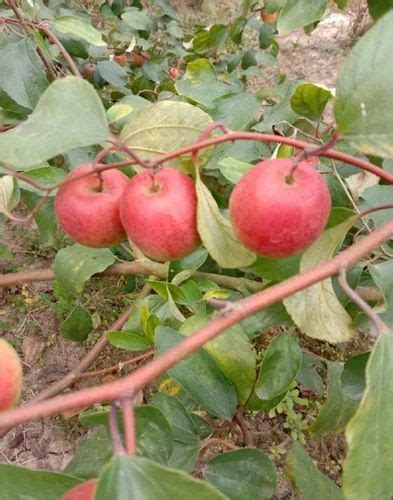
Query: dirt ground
27, 316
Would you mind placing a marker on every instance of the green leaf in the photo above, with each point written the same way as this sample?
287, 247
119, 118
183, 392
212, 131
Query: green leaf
200, 376
68, 115
242, 474
364, 92
74, 25
126, 478
374, 196
309, 100
341, 4
281, 113
45, 218
237, 112
200, 83
232, 169
353, 377
138, 20
92, 454
299, 13
368, 470
46, 175
307, 478
22, 75
114, 74
22, 483
382, 274
153, 432
377, 8
163, 127
280, 365
276, 269
75, 264
128, 341
216, 232
186, 444
78, 325
338, 408
317, 310
308, 377
232, 352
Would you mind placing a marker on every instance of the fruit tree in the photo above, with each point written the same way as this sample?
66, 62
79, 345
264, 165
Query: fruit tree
207, 240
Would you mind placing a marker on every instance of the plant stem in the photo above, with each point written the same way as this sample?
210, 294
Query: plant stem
118, 448
245, 307
129, 425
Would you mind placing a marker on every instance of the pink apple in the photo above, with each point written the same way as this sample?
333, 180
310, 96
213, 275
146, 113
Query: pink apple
159, 214
11, 375
88, 211
275, 215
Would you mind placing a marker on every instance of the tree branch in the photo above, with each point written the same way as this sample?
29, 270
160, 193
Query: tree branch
244, 308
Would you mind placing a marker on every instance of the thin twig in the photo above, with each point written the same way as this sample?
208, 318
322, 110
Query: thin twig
239, 419
117, 367
380, 325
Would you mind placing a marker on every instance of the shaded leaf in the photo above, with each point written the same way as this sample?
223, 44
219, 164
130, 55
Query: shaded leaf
67, 101
377, 8
317, 310
368, 470
338, 407
22, 483
126, 478
74, 25
200, 376
163, 127
232, 169
279, 367
382, 275
242, 474
22, 75
307, 478
309, 100
364, 92
216, 232
233, 353
75, 264
77, 325
308, 376
299, 13
353, 377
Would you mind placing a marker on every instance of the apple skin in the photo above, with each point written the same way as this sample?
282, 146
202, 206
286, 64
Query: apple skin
83, 491
160, 216
274, 218
11, 376
88, 216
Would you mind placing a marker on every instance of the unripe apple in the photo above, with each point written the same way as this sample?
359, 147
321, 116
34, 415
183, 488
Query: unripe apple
277, 214
11, 376
83, 491
159, 214
88, 209
88, 71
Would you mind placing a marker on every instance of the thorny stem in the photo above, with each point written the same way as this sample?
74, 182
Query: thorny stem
380, 326
244, 308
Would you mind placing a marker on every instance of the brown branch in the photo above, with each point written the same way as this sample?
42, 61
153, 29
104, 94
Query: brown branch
118, 448
244, 308
239, 419
117, 367
135, 267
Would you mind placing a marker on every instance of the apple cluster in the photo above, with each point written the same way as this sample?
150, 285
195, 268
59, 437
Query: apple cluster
276, 210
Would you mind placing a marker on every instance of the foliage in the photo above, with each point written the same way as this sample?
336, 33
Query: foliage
137, 86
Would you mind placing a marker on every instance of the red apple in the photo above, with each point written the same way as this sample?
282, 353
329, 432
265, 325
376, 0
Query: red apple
121, 59
83, 491
276, 215
159, 214
11, 375
174, 73
88, 211
269, 17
